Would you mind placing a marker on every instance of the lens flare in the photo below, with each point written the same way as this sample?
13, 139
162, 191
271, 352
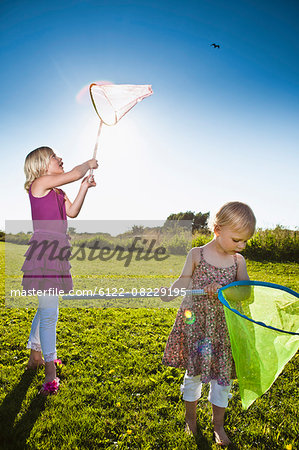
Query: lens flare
204, 347
189, 317
83, 95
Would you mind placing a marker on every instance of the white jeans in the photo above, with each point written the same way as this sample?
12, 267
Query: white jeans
43, 329
218, 395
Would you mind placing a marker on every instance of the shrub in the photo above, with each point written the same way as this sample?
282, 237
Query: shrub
278, 245
200, 239
178, 244
97, 242
19, 238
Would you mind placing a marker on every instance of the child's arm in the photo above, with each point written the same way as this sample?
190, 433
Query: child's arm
242, 269
73, 209
46, 182
184, 279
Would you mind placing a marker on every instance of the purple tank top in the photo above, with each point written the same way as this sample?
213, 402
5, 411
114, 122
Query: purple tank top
49, 208
48, 269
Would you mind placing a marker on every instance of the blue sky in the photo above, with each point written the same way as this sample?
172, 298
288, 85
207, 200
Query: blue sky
221, 125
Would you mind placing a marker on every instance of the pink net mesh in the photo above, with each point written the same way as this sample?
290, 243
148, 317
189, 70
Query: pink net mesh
113, 101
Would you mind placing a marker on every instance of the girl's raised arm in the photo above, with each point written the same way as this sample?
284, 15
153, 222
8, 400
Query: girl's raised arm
49, 181
73, 209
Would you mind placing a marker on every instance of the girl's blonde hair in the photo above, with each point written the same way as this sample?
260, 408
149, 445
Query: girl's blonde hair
236, 215
36, 164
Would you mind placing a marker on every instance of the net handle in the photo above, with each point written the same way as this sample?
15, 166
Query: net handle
95, 150
130, 295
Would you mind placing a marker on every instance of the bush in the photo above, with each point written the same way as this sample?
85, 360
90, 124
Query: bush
97, 242
178, 244
200, 239
274, 245
278, 245
19, 238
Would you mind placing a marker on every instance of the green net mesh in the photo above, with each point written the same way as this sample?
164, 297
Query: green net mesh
260, 353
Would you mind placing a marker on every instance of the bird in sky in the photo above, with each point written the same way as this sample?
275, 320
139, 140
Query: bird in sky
215, 45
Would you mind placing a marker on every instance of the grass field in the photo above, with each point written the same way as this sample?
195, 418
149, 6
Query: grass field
115, 393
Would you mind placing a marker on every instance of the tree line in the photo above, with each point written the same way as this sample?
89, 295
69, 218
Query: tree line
199, 220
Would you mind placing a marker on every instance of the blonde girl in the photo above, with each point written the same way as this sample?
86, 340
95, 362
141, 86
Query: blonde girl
45, 271
202, 345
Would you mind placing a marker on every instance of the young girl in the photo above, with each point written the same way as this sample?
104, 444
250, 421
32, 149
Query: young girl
199, 340
46, 267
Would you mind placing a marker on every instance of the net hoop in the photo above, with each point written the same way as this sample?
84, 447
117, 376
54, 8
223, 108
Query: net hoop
116, 119
95, 106
256, 283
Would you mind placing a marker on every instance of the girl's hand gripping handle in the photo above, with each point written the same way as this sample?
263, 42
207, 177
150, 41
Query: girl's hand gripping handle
93, 164
212, 289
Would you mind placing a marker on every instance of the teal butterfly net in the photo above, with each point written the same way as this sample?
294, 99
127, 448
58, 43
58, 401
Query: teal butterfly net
263, 324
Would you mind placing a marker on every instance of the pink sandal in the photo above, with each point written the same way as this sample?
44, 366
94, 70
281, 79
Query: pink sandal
51, 387
58, 363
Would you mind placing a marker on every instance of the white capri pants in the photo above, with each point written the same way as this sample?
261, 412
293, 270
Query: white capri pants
218, 395
43, 329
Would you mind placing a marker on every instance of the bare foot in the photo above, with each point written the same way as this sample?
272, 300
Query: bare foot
35, 360
221, 437
35, 365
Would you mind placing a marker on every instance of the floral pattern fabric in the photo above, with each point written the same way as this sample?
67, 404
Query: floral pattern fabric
199, 340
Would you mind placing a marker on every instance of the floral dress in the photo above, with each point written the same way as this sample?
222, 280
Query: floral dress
199, 340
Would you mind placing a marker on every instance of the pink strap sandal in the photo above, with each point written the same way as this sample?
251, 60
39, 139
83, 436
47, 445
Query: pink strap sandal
58, 363
51, 387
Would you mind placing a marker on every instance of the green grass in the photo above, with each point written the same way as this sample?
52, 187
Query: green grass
115, 393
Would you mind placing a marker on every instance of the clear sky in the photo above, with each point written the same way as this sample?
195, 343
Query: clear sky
221, 125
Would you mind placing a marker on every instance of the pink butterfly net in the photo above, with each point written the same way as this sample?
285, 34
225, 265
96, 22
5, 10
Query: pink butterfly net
112, 101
